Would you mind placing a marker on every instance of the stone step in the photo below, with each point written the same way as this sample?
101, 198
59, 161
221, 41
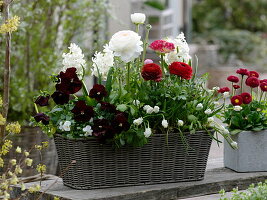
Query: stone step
215, 180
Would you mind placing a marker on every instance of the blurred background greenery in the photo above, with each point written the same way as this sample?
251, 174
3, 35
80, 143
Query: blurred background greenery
239, 28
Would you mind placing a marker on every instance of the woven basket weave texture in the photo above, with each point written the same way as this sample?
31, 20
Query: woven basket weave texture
159, 161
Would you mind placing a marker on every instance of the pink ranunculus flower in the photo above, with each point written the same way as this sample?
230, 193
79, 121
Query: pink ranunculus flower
162, 46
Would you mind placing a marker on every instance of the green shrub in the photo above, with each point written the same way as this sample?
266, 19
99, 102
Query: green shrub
252, 193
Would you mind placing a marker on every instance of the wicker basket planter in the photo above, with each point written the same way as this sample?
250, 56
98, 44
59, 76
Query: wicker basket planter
100, 166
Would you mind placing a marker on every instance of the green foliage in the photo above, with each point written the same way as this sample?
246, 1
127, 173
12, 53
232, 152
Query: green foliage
155, 4
47, 28
237, 27
258, 192
250, 118
230, 14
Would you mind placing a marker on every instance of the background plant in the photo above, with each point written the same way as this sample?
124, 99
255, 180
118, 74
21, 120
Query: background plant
47, 27
225, 23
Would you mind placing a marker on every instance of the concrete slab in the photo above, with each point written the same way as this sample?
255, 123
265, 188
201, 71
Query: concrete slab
214, 181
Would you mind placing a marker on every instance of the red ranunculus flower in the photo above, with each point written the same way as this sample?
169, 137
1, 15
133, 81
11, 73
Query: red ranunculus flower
237, 100
236, 86
162, 46
247, 98
233, 79
252, 82
42, 117
152, 72
82, 112
42, 100
263, 86
254, 73
181, 69
60, 97
242, 71
69, 82
98, 92
224, 89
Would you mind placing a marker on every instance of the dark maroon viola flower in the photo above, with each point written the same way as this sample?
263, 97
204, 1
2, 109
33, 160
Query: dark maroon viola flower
42, 100
102, 130
82, 112
69, 82
41, 117
224, 89
60, 97
254, 74
98, 92
233, 79
108, 107
252, 82
120, 122
242, 71
236, 86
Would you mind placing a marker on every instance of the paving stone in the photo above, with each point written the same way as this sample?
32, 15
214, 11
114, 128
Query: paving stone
215, 180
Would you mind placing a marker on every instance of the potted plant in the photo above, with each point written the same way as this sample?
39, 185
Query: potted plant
149, 124
247, 122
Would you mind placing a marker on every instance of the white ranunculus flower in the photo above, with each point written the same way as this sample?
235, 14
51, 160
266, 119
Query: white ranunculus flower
102, 62
180, 122
65, 126
126, 44
208, 112
181, 52
199, 106
147, 132
216, 88
164, 123
226, 95
138, 121
75, 58
237, 108
88, 131
156, 109
138, 18
136, 102
234, 145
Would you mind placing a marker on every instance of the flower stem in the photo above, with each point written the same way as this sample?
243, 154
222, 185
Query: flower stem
242, 83
162, 64
85, 91
36, 108
261, 95
128, 76
145, 43
137, 28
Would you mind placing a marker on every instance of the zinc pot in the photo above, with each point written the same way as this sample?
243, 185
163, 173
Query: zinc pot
251, 155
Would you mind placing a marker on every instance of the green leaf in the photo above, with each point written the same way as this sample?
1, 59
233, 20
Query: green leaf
236, 131
109, 80
122, 107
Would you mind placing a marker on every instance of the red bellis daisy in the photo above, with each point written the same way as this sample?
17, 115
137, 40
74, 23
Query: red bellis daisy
254, 73
236, 86
237, 100
247, 98
252, 82
224, 89
233, 79
263, 86
242, 71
